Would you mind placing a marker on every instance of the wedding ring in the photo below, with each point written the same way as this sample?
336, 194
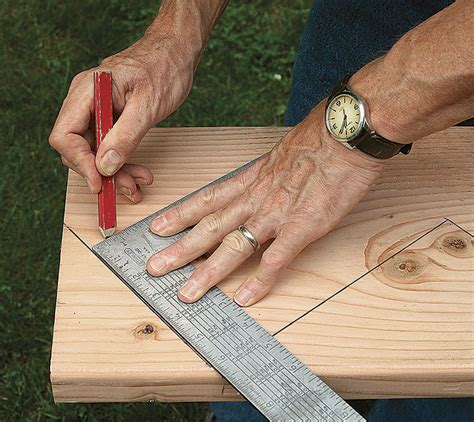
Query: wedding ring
250, 237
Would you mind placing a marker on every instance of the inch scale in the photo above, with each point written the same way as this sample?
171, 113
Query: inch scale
275, 381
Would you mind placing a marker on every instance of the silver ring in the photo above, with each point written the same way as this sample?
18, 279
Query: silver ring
250, 237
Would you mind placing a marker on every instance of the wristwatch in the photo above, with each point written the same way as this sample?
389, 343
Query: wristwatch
346, 121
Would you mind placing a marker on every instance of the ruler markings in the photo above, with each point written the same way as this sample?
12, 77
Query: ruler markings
248, 368
167, 290
263, 361
221, 333
251, 369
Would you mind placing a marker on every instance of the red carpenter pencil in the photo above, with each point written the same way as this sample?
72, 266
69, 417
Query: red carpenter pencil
103, 123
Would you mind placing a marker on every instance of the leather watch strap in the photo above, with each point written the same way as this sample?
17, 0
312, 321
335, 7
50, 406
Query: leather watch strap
379, 147
368, 141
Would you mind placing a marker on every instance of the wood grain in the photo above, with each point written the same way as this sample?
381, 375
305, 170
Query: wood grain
407, 337
406, 327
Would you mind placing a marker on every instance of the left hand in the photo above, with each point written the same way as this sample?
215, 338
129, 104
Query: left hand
292, 195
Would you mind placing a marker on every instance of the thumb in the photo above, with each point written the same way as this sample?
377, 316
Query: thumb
124, 138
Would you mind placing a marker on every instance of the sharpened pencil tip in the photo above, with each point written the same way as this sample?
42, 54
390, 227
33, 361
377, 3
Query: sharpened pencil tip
107, 232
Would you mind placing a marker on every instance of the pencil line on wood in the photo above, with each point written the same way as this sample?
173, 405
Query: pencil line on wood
459, 227
75, 234
358, 278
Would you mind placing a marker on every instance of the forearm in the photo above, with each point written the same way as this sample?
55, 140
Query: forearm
189, 22
425, 83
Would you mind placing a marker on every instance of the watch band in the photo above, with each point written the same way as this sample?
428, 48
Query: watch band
368, 140
377, 146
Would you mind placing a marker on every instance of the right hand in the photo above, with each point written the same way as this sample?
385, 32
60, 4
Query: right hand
151, 79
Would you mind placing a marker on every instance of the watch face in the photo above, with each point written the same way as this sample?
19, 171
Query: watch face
344, 117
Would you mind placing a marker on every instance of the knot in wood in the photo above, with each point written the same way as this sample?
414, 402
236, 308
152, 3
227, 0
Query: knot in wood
145, 331
456, 244
148, 329
406, 267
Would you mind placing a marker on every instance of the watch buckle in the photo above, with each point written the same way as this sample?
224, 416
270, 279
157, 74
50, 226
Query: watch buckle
348, 145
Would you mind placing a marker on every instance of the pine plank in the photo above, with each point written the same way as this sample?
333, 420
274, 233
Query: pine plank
403, 330
101, 351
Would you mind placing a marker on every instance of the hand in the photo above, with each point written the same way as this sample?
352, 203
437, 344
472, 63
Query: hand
150, 80
293, 195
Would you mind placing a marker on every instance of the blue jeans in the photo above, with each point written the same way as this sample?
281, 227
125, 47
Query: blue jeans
340, 37
399, 410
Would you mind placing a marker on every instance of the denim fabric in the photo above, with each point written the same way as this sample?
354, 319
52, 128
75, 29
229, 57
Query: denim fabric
423, 410
340, 37
236, 412
403, 410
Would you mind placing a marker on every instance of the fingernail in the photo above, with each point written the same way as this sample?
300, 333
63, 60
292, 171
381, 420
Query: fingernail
190, 290
158, 224
125, 191
110, 162
157, 264
243, 297
141, 181
133, 199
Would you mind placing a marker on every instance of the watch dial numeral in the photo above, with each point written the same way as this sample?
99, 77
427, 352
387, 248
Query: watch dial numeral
352, 129
356, 106
338, 103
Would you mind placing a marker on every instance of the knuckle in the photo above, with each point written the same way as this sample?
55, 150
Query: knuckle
128, 137
235, 243
209, 274
53, 140
242, 182
207, 198
77, 79
178, 214
273, 260
178, 249
260, 282
212, 223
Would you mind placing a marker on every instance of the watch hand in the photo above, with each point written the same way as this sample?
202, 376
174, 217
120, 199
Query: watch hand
342, 125
345, 117
344, 122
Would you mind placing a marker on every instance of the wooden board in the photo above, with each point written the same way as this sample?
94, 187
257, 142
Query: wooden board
391, 287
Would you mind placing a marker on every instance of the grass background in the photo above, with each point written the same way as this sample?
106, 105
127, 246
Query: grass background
42, 45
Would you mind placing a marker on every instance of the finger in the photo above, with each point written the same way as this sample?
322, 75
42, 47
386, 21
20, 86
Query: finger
94, 182
89, 136
207, 233
274, 260
126, 185
72, 122
205, 202
232, 252
125, 135
141, 174
198, 262
136, 197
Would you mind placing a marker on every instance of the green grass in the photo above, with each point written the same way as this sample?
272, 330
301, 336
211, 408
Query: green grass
43, 44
